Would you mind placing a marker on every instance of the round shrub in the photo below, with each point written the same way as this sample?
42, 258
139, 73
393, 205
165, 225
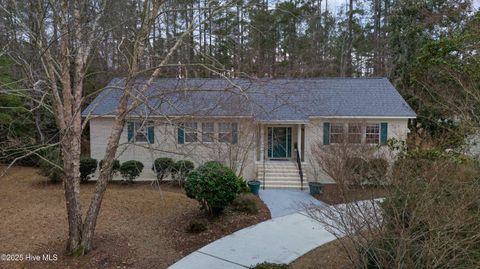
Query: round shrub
378, 168
245, 203
49, 165
357, 169
87, 167
181, 169
213, 185
115, 166
162, 167
131, 169
243, 185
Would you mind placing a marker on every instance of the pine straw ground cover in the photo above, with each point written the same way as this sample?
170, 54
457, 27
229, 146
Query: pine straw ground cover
138, 227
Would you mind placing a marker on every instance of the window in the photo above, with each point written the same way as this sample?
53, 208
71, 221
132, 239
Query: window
372, 133
227, 132
208, 132
140, 132
355, 133
336, 132
191, 132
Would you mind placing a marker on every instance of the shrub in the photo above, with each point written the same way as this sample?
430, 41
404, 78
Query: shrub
268, 265
162, 167
377, 170
245, 203
243, 185
115, 166
213, 185
131, 169
357, 169
50, 168
87, 167
181, 169
196, 227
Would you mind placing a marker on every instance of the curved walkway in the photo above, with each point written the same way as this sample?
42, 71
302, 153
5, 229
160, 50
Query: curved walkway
282, 239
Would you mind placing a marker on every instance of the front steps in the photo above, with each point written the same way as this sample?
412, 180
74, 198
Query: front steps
280, 174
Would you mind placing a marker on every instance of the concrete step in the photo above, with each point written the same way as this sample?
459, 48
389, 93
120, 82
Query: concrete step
278, 173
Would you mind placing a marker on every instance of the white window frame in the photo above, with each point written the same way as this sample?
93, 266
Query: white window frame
227, 132
140, 129
208, 136
359, 133
377, 134
332, 134
190, 131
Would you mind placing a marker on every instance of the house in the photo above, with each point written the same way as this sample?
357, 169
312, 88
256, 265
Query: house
258, 127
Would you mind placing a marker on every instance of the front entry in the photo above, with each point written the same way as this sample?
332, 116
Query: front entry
279, 143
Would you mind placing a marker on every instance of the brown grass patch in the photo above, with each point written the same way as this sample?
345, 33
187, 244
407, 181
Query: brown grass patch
140, 225
333, 194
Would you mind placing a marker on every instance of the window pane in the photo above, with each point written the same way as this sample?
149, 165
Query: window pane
372, 134
207, 132
140, 132
336, 132
191, 132
355, 133
225, 132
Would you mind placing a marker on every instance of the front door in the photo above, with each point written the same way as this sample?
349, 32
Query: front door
279, 142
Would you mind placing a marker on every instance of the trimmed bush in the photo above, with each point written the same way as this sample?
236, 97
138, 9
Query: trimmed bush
181, 169
196, 227
131, 170
213, 185
377, 172
48, 168
243, 185
245, 203
87, 167
357, 169
115, 166
162, 167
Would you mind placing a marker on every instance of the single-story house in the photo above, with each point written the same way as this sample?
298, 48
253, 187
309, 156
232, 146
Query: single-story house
262, 128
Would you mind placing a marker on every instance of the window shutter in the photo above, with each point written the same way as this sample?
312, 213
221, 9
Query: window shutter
181, 135
151, 134
130, 129
383, 133
326, 133
289, 142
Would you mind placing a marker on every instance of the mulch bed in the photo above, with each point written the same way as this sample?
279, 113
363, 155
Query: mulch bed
140, 225
227, 223
333, 194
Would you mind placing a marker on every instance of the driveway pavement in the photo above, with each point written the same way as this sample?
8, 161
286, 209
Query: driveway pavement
282, 202
284, 238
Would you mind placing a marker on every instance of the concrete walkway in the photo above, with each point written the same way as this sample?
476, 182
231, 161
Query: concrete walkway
282, 202
279, 240
284, 238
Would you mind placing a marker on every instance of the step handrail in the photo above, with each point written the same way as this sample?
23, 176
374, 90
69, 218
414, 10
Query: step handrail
299, 164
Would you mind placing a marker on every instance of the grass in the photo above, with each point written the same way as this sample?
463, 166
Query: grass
139, 226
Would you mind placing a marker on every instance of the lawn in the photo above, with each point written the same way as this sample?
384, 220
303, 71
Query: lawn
140, 225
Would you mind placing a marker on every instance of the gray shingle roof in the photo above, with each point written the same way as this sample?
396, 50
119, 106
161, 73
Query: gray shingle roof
265, 99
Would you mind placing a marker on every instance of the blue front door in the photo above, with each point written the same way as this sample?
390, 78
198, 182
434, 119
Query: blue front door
279, 142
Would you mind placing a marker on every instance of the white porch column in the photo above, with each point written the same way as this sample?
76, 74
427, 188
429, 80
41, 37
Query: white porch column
299, 140
262, 142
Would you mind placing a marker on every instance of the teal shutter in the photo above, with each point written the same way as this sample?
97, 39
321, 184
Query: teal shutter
151, 134
181, 135
383, 133
289, 142
130, 129
326, 133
